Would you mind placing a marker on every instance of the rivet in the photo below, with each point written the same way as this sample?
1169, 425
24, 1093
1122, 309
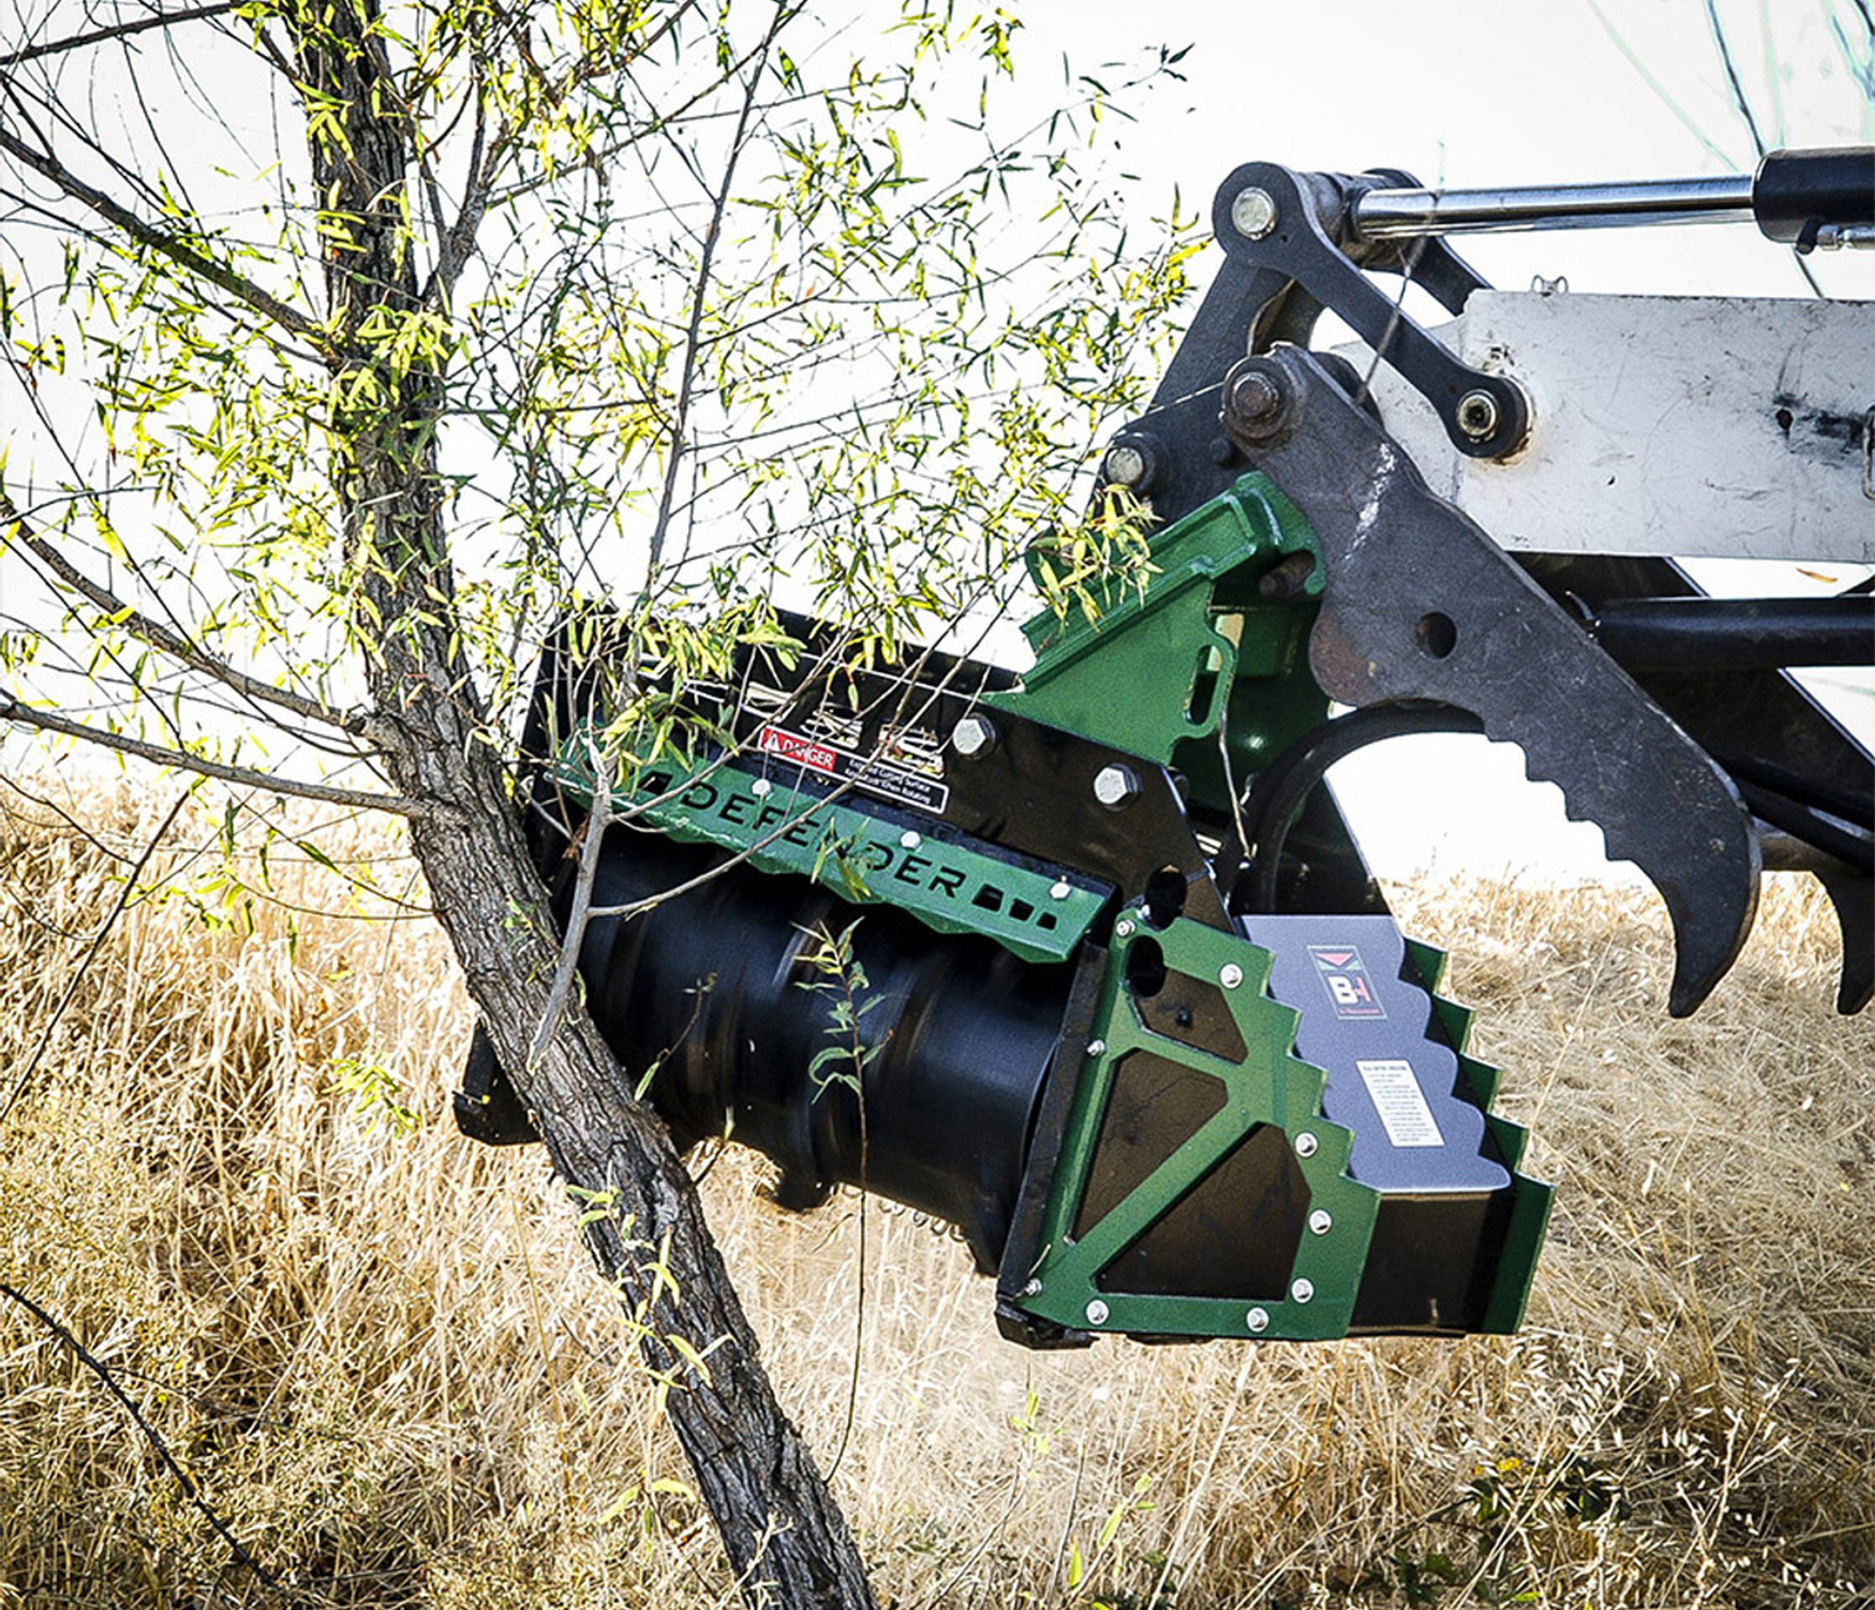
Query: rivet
1096, 1312
1257, 1319
1306, 1144
910, 840
1302, 1290
1321, 1221
1230, 975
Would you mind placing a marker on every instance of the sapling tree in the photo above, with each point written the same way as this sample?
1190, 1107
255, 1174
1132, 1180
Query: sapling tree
354, 347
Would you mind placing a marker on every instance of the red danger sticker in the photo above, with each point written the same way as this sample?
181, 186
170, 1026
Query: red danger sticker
880, 777
802, 751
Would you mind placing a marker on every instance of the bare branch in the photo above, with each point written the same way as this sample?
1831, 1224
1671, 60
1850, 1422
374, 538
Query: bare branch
176, 646
236, 285
592, 838
118, 31
241, 1555
700, 294
12, 710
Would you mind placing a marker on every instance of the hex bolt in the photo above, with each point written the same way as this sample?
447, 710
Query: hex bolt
973, 736
1254, 398
1116, 786
1060, 891
761, 787
1258, 1319
1253, 213
1123, 929
1306, 1144
1096, 1048
1477, 415
1321, 1221
1032, 1289
1124, 465
1303, 1290
910, 840
1096, 1312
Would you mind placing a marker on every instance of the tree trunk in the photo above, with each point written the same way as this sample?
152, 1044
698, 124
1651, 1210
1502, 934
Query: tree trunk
783, 1533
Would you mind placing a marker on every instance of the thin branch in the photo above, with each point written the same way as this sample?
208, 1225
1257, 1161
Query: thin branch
12, 710
700, 295
91, 952
189, 1489
165, 641
118, 31
236, 285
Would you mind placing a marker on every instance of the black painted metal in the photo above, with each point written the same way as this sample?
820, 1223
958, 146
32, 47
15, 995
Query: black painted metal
714, 989
1752, 634
1797, 192
1421, 604
1306, 245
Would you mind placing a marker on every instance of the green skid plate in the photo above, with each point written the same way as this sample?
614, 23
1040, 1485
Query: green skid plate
1268, 1086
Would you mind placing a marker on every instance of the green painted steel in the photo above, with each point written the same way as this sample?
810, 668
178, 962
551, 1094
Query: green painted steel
1167, 651
954, 884
1268, 1086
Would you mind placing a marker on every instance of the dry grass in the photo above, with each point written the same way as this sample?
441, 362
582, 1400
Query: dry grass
383, 1359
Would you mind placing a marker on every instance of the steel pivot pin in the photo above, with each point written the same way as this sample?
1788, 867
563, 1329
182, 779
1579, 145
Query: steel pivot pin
1253, 213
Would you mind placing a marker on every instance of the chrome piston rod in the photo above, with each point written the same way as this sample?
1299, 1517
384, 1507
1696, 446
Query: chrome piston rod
1800, 198
1379, 214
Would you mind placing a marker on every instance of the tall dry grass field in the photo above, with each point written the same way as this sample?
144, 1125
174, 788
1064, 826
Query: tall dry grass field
376, 1351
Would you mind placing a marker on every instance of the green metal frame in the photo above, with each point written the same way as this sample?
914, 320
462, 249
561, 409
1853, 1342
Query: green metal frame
1186, 643
1532, 1198
954, 884
1269, 1086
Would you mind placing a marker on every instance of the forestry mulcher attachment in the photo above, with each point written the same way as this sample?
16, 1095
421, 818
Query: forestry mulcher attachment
1085, 961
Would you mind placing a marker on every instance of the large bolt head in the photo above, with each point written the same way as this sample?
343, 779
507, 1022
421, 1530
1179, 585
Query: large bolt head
1253, 213
973, 736
1115, 786
1124, 465
1256, 403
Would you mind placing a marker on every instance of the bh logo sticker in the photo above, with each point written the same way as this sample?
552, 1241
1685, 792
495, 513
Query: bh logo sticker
1345, 978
